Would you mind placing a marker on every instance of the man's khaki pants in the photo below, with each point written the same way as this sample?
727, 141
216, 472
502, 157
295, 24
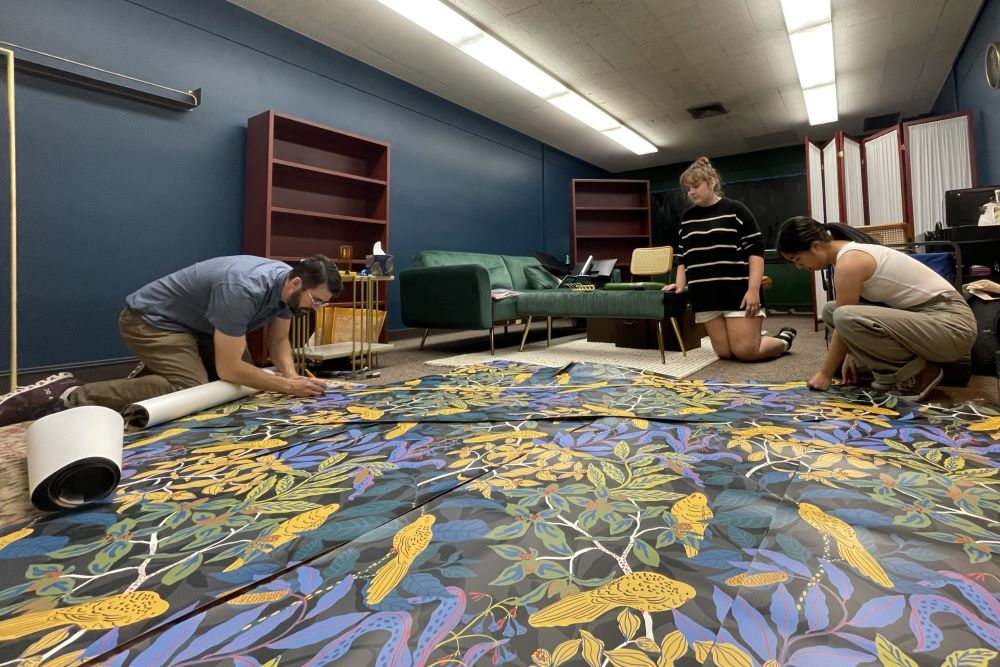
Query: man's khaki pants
895, 344
173, 361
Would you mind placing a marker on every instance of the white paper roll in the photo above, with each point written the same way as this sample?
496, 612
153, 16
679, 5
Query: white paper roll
74, 457
182, 403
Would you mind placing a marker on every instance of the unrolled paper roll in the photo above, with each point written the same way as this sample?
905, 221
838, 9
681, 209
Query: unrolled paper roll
182, 403
74, 457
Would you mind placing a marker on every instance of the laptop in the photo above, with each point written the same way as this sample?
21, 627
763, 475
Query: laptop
553, 265
592, 271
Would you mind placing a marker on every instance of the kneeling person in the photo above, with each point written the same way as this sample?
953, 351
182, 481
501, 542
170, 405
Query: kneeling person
190, 326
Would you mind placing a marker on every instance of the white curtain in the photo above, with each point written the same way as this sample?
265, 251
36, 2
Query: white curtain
940, 160
884, 179
815, 184
853, 194
831, 183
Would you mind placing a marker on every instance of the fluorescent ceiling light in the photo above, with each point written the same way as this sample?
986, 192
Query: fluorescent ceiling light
512, 65
630, 140
436, 18
821, 104
444, 22
584, 111
801, 14
810, 30
813, 52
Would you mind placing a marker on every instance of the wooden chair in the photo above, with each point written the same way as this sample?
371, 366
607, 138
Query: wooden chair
656, 261
888, 234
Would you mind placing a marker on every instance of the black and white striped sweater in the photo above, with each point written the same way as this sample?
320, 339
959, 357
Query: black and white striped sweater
715, 245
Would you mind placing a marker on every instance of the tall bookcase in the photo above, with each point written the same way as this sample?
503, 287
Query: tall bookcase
610, 219
312, 189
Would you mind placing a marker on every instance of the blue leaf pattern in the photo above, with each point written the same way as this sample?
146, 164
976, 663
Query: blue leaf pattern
755, 630
816, 611
783, 612
879, 612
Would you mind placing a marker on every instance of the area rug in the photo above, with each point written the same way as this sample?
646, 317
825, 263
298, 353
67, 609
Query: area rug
579, 349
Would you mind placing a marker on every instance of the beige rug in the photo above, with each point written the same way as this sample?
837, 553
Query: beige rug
579, 349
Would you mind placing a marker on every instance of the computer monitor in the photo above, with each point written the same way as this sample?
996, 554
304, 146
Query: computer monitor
963, 207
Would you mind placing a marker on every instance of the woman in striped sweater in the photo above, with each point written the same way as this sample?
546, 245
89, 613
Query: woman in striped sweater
721, 263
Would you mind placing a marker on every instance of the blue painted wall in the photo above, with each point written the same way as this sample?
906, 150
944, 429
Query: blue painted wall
966, 90
113, 194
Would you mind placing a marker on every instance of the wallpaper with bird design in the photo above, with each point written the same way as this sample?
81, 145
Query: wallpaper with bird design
510, 514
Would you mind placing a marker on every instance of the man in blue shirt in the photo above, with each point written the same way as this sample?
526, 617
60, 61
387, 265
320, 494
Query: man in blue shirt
190, 327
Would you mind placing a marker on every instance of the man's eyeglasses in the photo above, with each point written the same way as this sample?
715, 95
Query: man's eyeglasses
317, 303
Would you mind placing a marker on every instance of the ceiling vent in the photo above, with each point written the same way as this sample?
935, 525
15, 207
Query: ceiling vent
708, 110
880, 122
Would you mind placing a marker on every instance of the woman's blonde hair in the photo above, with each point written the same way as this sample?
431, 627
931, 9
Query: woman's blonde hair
702, 170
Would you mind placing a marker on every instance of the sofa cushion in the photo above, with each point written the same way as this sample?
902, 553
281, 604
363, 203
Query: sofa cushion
499, 275
539, 278
518, 267
640, 304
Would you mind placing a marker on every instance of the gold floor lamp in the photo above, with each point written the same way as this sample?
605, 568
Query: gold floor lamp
8, 57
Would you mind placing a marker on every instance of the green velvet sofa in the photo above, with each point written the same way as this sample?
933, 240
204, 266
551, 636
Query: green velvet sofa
451, 290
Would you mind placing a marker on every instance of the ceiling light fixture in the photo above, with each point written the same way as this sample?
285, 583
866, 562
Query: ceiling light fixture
441, 20
810, 31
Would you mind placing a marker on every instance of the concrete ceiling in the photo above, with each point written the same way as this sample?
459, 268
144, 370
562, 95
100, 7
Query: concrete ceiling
646, 61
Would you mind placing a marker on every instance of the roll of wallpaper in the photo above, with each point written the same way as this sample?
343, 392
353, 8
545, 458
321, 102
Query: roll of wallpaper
182, 403
74, 457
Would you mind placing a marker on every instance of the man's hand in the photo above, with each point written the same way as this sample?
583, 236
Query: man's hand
819, 382
304, 387
751, 303
672, 287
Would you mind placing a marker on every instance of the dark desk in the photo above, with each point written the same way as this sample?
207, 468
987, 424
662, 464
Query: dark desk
977, 245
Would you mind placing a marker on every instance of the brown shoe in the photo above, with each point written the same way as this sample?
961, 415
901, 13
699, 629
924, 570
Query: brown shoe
918, 386
36, 400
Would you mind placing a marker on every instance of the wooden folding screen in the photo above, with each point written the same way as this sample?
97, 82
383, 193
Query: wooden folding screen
852, 198
883, 176
898, 175
814, 181
836, 193
816, 210
939, 156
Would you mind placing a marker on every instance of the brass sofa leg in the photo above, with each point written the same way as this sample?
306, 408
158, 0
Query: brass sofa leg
524, 337
492, 350
423, 339
659, 341
677, 332
548, 332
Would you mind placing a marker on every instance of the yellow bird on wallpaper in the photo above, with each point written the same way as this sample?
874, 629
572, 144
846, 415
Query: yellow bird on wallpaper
103, 614
408, 543
286, 531
847, 543
692, 511
642, 591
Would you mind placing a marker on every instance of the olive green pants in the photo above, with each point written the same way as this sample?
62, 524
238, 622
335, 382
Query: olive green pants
173, 361
895, 344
